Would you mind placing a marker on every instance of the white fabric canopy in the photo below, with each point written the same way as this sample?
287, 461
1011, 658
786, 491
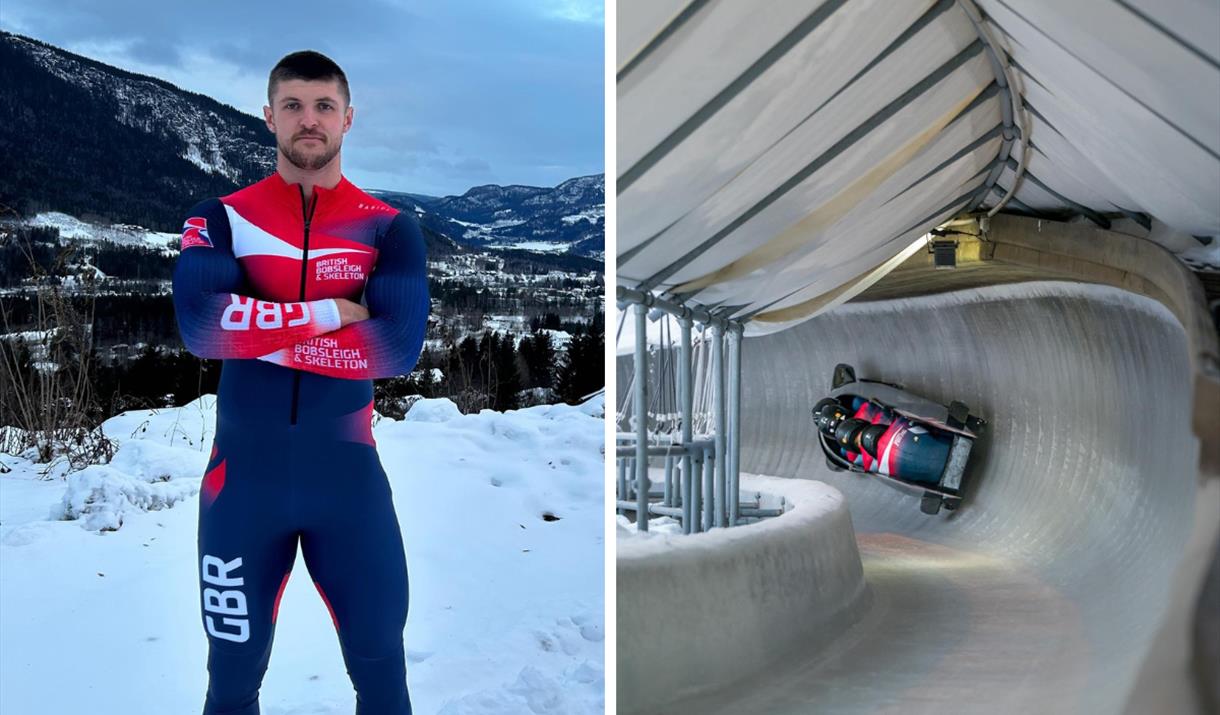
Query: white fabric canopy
769, 154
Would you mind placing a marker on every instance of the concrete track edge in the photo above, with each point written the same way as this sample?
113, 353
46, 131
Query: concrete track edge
709, 609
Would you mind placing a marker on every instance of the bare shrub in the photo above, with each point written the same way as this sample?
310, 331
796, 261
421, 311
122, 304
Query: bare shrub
45, 371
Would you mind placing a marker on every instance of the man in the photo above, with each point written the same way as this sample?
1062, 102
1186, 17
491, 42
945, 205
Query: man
270, 280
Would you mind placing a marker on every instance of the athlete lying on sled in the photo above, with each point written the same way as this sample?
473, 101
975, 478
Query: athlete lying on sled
877, 428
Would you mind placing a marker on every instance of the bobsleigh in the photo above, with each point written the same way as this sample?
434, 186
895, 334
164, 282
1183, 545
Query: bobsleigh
878, 428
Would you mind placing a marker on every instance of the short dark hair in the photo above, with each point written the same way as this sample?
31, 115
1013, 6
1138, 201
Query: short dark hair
307, 65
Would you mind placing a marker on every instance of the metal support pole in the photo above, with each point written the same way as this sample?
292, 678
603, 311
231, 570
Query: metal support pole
622, 481
661, 450
709, 464
668, 498
762, 512
686, 405
683, 486
734, 466
718, 417
696, 500
641, 416
653, 509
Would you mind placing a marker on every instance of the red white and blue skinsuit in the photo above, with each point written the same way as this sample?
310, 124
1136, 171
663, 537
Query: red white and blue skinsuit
294, 458
905, 450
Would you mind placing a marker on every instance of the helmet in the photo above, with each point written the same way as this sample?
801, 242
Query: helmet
828, 413
847, 434
871, 436
858, 435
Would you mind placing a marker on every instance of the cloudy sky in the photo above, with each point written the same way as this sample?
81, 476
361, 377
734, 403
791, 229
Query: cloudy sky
448, 94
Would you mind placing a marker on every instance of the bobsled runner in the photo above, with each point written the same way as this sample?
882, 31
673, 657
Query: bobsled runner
878, 428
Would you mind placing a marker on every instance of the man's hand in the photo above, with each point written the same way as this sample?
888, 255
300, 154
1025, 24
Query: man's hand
350, 312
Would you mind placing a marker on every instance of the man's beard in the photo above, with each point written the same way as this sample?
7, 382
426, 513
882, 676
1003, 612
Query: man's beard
304, 161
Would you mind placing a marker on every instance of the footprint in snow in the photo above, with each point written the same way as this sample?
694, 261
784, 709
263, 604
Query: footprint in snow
418, 656
591, 629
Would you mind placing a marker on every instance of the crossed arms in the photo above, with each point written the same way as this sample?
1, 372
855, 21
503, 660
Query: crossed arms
218, 319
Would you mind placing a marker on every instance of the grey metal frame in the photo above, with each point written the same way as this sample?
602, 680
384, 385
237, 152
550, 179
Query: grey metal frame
734, 420
641, 414
702, 478
1016, 126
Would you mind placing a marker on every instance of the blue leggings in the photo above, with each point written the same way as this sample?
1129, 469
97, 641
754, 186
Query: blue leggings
264, 490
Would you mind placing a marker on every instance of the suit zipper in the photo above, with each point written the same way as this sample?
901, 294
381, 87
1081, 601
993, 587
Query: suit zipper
307, 214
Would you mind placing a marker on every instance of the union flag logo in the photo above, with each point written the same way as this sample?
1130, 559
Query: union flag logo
195, 233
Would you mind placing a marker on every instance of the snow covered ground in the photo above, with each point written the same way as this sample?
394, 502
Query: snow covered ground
591, 214
625, 528
539, 246
71, 227
506, 610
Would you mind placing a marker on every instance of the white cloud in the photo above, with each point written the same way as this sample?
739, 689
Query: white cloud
200, 72
15, 24
590, 11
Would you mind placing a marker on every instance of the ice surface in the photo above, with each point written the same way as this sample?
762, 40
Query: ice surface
1046, 589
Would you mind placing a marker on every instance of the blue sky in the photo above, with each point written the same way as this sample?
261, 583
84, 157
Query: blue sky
448, 94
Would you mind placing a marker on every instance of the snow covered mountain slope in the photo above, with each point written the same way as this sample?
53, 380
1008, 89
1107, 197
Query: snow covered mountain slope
214, 137
110, 146
570, 217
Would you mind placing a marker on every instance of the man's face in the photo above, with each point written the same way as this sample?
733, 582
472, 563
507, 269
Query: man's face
309, 119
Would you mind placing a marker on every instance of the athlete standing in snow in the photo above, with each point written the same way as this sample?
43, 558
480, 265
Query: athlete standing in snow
307, 288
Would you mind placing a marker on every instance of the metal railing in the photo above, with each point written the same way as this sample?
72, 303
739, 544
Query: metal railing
694, 494
702, 477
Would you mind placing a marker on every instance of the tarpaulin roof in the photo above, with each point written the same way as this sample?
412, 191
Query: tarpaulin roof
769, 153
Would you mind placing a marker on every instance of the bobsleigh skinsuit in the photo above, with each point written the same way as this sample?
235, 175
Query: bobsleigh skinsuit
294, 456
879, 440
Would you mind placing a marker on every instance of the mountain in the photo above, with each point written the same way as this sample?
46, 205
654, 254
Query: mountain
570, 217
105, 144
111, 147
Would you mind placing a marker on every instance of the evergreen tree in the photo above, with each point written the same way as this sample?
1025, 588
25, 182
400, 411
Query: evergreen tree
547, 320
582, 372
538, 351
504, 364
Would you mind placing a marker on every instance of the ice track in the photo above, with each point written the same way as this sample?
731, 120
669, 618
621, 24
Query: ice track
1046, 591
